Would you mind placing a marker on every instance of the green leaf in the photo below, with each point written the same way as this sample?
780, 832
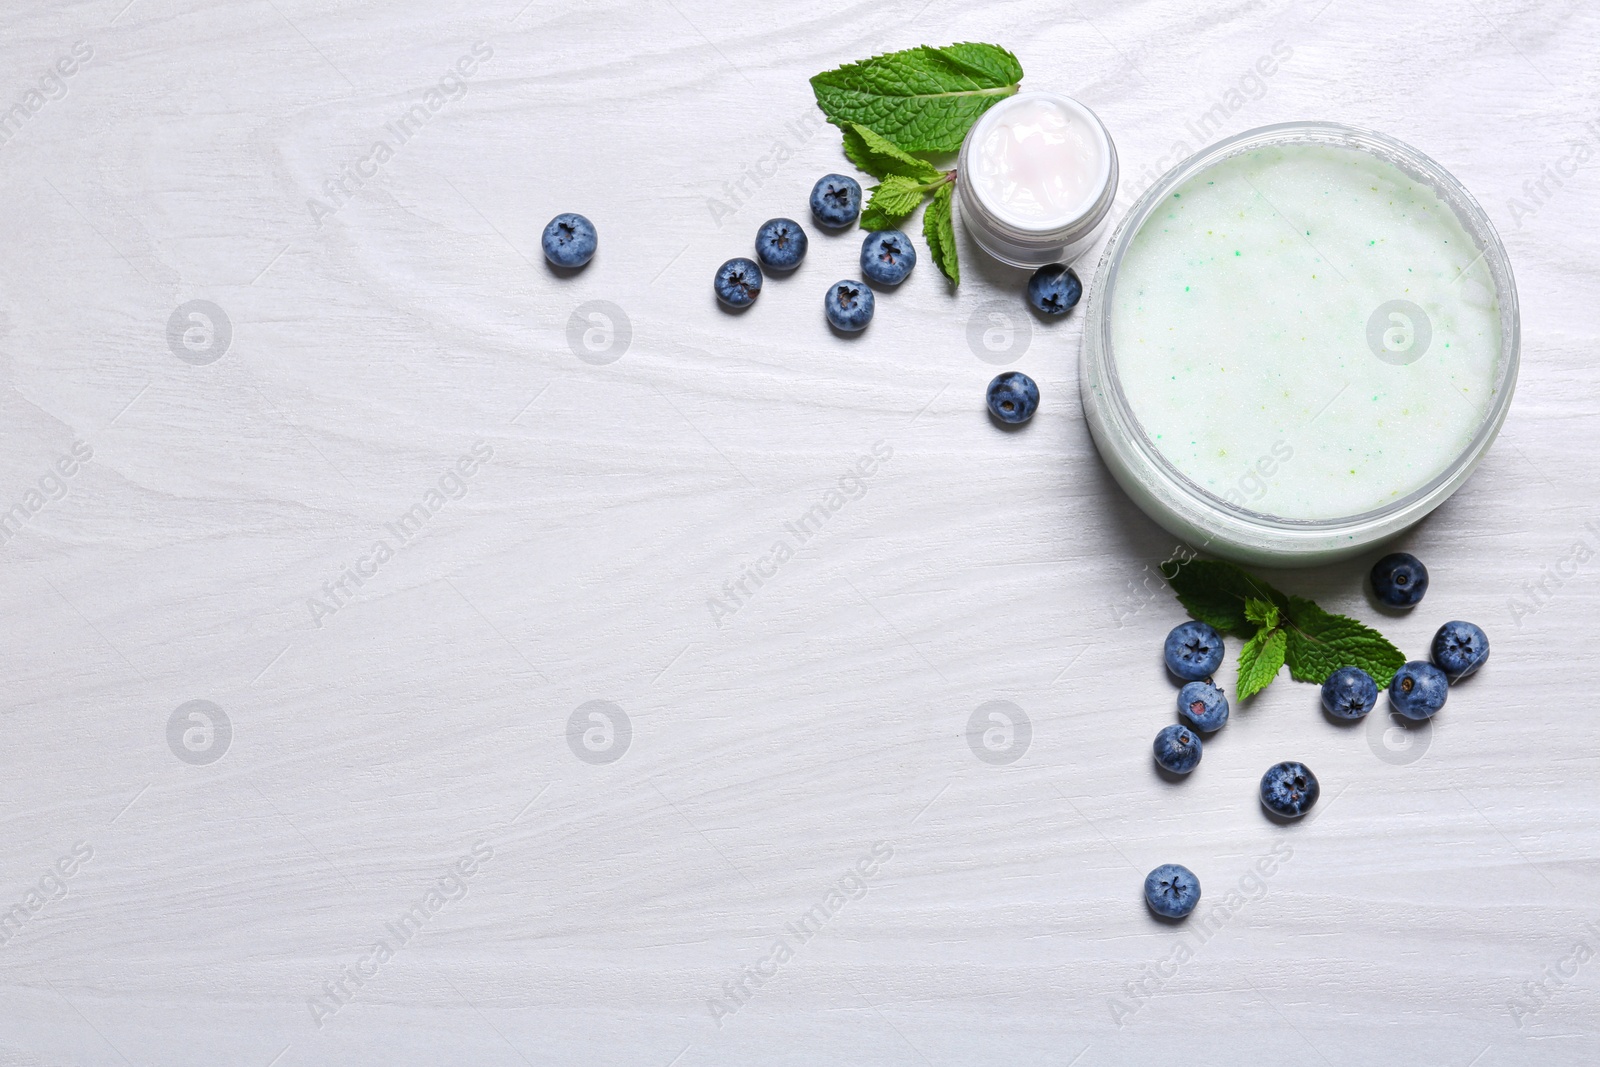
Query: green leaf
1261, 613
1216, 593
985, 62
1320, 643
939, 231
1260, 660
881, 157
923, 99
891, 202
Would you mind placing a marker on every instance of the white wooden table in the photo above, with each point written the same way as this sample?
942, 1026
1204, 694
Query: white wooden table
191, 895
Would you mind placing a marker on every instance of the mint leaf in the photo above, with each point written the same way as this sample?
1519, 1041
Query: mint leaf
923, 99
985, 62
881, 157
1261, 613
939, 231
1320, 643
1216, 593
1260, 660
891, 202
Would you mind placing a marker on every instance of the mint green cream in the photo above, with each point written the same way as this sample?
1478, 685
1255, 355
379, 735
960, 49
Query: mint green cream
1267, 336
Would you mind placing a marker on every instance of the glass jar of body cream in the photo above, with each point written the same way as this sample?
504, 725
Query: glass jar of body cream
1037, 174
1298, 343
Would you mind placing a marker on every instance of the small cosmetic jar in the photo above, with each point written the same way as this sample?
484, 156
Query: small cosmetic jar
1037, 175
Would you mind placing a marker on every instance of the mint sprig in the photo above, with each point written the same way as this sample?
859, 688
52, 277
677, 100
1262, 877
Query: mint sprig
1281, 629
923, 99
907, 180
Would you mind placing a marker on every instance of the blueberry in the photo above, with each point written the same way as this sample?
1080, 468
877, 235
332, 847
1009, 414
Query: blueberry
1399, 579
780, 244
738, 282
1203, 706
848, 306
1194, 651
1459, 648
1171, 890
1177, 749
836, 200
569, 240
1013, 397
1289, 789
887, 257
1054, 289
1349, 693
1419, 690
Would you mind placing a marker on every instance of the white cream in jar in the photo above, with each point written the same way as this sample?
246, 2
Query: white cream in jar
1036, 178
1299, 342
1315, 305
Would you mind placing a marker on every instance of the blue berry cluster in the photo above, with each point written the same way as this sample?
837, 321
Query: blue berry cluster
1399, 580
1193, 652
1420, 688
887, 257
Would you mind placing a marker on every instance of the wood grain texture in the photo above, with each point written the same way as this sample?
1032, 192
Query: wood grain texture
376, 342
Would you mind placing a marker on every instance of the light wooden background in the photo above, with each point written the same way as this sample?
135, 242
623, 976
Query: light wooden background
375, 746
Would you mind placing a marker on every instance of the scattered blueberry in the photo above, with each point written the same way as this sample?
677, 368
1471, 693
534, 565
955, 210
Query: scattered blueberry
569, 240
836, 200
1349, 693
1054, 289
780, 244
1171, 890
1013, 397
1419, 690
1289, 789
1203, 706
848, 306
1194, 651
1459, 648
738, 282
1177, 749
887, 257
1399, 579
